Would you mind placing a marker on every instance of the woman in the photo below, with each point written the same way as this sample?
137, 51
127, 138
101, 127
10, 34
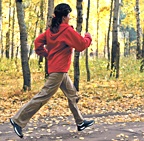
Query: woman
57, 44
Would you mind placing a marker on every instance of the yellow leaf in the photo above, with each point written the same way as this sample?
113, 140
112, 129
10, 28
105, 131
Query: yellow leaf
81, 138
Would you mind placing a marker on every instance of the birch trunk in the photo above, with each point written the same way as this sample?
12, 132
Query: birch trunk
49, 18
108, 35
41, 15
34, 35
1, 46
50, 12
97, 49
143, 45
76, 53
115, 43
41, 30
87, 64
138, 54
142, 62
8, 34
24, 47
13, 35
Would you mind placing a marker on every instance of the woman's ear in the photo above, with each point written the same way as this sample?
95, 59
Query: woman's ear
63, 18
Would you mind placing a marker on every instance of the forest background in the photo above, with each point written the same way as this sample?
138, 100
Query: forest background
102, 94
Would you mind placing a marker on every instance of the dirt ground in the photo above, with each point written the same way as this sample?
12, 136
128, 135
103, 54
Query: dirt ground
64, 129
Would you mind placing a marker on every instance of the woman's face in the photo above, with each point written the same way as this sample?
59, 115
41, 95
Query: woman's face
66, 19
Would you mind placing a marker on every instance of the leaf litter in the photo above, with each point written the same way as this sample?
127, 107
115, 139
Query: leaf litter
123, 97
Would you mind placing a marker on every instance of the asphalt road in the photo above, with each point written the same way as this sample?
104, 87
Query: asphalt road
64, 129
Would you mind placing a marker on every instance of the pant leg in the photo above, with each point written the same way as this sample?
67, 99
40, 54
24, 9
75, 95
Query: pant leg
70, 91
53, 82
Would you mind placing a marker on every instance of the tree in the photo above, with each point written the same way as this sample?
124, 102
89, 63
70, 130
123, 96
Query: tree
142, 62
143, 44
49, 17
97, 49
34, 35
1, 28
108, 35
41, 29
115, 44
87, 65
0, 15
8, 33
76, 53
138, 54
50, 12
24, 47
13, 35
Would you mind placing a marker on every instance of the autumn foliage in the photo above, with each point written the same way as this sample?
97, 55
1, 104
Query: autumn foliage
101, 95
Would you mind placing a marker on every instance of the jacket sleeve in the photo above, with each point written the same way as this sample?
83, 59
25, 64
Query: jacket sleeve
75, 40
40, 43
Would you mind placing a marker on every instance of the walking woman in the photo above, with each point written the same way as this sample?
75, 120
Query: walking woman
57, 44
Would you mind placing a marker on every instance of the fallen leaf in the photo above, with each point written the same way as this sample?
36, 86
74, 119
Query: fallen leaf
81, 138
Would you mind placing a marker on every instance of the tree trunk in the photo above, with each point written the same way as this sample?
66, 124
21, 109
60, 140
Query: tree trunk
76, 70
32, 43
87, 65
105, 40
142, 62
24, 47
138, 54
129, 43
1, 46
117, 60
97, 49
8, 33
108, 35
49, 17
41, 30
143, 45
17, 51
13, 35
7, 44
76, 53
125, 43
115, 44
50, 12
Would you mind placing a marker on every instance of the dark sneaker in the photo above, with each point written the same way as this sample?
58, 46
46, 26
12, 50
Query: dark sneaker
85, 124
17, 128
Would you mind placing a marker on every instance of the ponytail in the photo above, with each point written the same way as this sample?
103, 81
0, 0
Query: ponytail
56, 21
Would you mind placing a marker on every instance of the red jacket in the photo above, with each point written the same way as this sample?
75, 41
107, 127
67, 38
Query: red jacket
57, 47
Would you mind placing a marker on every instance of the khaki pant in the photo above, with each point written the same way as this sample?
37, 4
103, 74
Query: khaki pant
54, 81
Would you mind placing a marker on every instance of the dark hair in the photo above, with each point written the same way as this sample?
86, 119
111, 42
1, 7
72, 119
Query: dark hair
60, 10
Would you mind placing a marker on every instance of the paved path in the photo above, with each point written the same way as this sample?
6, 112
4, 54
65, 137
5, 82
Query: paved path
64, 129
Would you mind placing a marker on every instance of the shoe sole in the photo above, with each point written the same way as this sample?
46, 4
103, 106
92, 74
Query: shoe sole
12, 122
86, 126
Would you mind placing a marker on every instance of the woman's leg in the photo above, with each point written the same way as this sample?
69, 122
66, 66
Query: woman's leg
70, 91
23, 116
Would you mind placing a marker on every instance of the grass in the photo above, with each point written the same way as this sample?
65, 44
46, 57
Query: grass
12, 79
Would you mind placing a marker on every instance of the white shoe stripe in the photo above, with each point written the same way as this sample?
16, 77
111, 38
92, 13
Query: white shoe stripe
82, 128
91, 124
12, 121
17, 132
81, 124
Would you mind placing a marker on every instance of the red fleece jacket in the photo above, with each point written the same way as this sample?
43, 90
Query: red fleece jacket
57, 47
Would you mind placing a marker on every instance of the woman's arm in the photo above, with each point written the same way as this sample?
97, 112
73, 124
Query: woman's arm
40, 42
75, 40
